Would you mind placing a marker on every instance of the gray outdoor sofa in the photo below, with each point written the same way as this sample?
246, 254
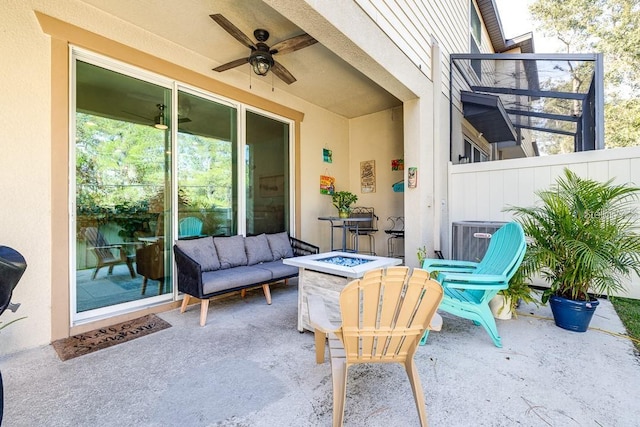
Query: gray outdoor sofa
211, 266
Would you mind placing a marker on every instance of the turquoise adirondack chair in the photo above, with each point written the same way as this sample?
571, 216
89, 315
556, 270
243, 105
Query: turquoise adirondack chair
469, 286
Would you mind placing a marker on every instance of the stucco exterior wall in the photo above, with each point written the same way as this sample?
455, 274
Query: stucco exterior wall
25, 170
313, 203
26, 166
32, 172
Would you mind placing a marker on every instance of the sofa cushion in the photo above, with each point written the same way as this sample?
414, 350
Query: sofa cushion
258, 250
280, 245
222, 280
201, 251
230, 251
278, 269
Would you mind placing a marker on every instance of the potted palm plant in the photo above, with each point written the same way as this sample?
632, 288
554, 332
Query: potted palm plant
343, 200
583, 240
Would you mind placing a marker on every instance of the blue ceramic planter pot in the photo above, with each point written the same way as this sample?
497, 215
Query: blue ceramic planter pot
572, 315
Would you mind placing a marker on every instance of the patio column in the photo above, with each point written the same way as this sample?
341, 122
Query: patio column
419, 205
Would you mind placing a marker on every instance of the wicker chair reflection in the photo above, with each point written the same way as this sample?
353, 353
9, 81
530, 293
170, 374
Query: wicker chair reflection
150, 261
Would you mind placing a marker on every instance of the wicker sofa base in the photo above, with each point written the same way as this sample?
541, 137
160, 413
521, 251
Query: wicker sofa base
194, 282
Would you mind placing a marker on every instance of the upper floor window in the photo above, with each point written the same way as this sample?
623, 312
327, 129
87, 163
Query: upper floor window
476, 26
475, 38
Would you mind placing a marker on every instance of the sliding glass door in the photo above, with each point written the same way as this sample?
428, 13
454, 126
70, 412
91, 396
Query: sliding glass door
122, 188
154, 161
207, 167
267, 174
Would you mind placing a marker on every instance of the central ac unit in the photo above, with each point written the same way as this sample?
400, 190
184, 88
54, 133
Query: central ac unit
470, 239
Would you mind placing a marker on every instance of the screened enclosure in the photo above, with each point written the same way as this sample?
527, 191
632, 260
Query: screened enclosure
521, 104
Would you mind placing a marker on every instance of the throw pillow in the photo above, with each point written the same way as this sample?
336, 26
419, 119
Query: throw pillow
280, 245
230, 251
201, 251
258, 249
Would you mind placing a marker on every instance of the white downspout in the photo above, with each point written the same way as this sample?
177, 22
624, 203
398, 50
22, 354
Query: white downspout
436, 77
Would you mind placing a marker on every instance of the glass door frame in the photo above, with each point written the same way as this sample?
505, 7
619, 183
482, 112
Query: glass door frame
75, 53
191, 90
291, 164
78, 53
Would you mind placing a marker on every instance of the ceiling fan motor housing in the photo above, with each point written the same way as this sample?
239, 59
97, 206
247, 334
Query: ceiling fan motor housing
261, 35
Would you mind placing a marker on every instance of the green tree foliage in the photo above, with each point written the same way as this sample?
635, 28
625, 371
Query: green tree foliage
121, 173
206, 171
117, 163
613, 28
572, 22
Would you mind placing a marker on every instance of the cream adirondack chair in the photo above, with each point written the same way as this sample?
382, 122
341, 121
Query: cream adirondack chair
384, 315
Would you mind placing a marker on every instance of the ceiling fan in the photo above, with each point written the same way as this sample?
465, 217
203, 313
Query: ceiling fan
261, 56
158, 121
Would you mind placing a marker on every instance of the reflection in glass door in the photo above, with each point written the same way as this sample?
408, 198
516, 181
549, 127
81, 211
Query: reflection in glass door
207, 167
267, 174
122, 189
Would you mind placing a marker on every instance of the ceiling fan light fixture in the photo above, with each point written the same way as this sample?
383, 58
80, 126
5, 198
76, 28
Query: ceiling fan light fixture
261, 61
159, 122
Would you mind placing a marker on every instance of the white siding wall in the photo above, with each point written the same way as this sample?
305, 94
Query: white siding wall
481, 191
414, 24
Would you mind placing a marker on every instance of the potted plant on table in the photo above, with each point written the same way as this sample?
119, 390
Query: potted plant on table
343, 200
582, 238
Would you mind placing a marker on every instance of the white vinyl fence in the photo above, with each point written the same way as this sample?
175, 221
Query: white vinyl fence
482, 191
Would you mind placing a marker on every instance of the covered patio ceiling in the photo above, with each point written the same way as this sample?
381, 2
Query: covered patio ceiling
549, 93
335, 82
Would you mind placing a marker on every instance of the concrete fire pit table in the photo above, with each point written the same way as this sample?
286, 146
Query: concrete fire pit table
326, 274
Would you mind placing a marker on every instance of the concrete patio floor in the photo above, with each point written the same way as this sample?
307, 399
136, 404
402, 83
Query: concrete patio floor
249, 366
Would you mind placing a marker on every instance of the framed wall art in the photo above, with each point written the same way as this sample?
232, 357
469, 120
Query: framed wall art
327, 184
397, 164
368, 176
327, 155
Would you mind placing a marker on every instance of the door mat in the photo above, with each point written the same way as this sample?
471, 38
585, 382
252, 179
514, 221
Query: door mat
81, 344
